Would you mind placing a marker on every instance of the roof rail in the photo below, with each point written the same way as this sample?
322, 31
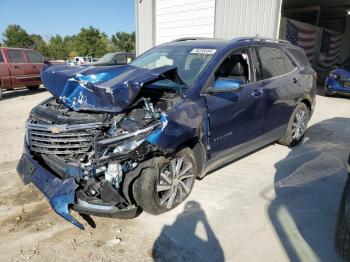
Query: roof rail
192, 38
261, 39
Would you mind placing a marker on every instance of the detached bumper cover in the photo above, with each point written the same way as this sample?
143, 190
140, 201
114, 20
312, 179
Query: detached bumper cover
61, 193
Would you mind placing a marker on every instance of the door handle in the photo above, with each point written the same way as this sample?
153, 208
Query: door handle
34, 66
295, 80
257, 92
16, 67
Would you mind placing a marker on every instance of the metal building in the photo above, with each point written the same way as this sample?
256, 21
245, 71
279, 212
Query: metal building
159, 21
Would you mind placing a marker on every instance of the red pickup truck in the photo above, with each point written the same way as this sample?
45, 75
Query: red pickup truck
19, 67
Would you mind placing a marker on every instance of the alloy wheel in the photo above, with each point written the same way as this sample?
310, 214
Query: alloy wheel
299, 124
175, 182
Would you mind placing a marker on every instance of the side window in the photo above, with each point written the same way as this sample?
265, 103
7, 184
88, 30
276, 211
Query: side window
300, 56
1, 57
270, 62
16, 56
289, 65
34, 57
235, 66
120, 59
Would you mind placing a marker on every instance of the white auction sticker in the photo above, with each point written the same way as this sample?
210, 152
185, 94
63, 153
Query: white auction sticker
204, 51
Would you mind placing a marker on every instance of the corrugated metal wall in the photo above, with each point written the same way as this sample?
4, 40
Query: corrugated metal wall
235, 18
145, 24
183, 18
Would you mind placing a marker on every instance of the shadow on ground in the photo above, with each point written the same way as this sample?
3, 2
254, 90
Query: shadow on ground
21, 92
190, 238
308, 186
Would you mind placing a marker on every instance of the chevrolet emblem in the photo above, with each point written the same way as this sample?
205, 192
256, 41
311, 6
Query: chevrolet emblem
55, 130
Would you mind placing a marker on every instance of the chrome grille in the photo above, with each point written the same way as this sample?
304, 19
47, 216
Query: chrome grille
61, 139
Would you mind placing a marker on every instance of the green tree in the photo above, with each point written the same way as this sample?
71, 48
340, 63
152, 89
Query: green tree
124, 41
56, 48
39, 44
16, 36
91, 42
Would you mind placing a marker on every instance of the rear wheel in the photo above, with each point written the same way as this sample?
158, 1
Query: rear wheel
33, 87
296, 126
158, 191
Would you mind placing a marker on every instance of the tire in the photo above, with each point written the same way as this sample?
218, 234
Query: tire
0, 92
327, 93
342, 233
32, 88
156, 192
295, 129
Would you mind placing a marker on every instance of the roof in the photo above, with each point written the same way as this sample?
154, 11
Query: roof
221, 43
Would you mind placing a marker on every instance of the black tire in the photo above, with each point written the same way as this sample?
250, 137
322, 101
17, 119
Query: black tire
32, 88
290, 138
327, 93
342, 234
0, 92
145, 188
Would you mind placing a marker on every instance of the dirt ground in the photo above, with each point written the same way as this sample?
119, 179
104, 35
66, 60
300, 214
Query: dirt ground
278, 204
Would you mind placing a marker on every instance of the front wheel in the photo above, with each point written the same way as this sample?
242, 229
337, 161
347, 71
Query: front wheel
296, 126
158, 191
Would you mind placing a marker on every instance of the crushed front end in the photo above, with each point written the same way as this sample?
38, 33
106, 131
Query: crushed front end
87, 161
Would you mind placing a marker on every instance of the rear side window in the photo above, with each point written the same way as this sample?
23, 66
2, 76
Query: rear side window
1, 58
289, 65
300, 56
16, 56
34, 57
270, 62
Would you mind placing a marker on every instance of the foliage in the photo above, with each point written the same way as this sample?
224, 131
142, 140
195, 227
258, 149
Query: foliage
16, 36
89, 41
123, 41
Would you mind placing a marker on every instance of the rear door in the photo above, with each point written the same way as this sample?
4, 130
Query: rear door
279, 77
36, 61
20, 68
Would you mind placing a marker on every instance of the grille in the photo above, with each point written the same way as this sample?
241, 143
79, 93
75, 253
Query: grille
61, 139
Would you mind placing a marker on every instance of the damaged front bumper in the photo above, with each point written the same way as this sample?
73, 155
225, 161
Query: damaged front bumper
61, 193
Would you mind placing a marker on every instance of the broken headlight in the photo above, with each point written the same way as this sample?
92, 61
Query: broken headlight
122, 144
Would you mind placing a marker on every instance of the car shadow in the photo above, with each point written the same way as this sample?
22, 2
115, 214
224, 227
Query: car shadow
189, 238
308, 184
21, 92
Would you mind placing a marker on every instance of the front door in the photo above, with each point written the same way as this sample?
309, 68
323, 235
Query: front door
235, 116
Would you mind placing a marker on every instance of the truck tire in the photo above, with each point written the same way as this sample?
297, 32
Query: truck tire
31, 88
158, 191
296, 126
342, 233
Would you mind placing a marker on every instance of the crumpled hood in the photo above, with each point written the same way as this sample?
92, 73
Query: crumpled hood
106, 89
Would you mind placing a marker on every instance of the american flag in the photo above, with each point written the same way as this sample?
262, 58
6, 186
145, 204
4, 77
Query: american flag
302, 36
330, 49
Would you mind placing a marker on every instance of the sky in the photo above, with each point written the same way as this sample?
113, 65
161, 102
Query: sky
66, 17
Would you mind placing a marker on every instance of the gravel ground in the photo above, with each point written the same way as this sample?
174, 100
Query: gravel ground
278, 204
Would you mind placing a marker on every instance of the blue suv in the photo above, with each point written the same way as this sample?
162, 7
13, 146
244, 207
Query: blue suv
113, 141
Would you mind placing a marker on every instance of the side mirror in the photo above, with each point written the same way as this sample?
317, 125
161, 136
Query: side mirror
225, 85
45, 61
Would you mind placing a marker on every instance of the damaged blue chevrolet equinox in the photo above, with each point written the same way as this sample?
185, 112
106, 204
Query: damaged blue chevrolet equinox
113, 141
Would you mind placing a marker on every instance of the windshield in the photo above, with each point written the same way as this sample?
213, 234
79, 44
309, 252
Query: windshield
107, 57
190, 61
